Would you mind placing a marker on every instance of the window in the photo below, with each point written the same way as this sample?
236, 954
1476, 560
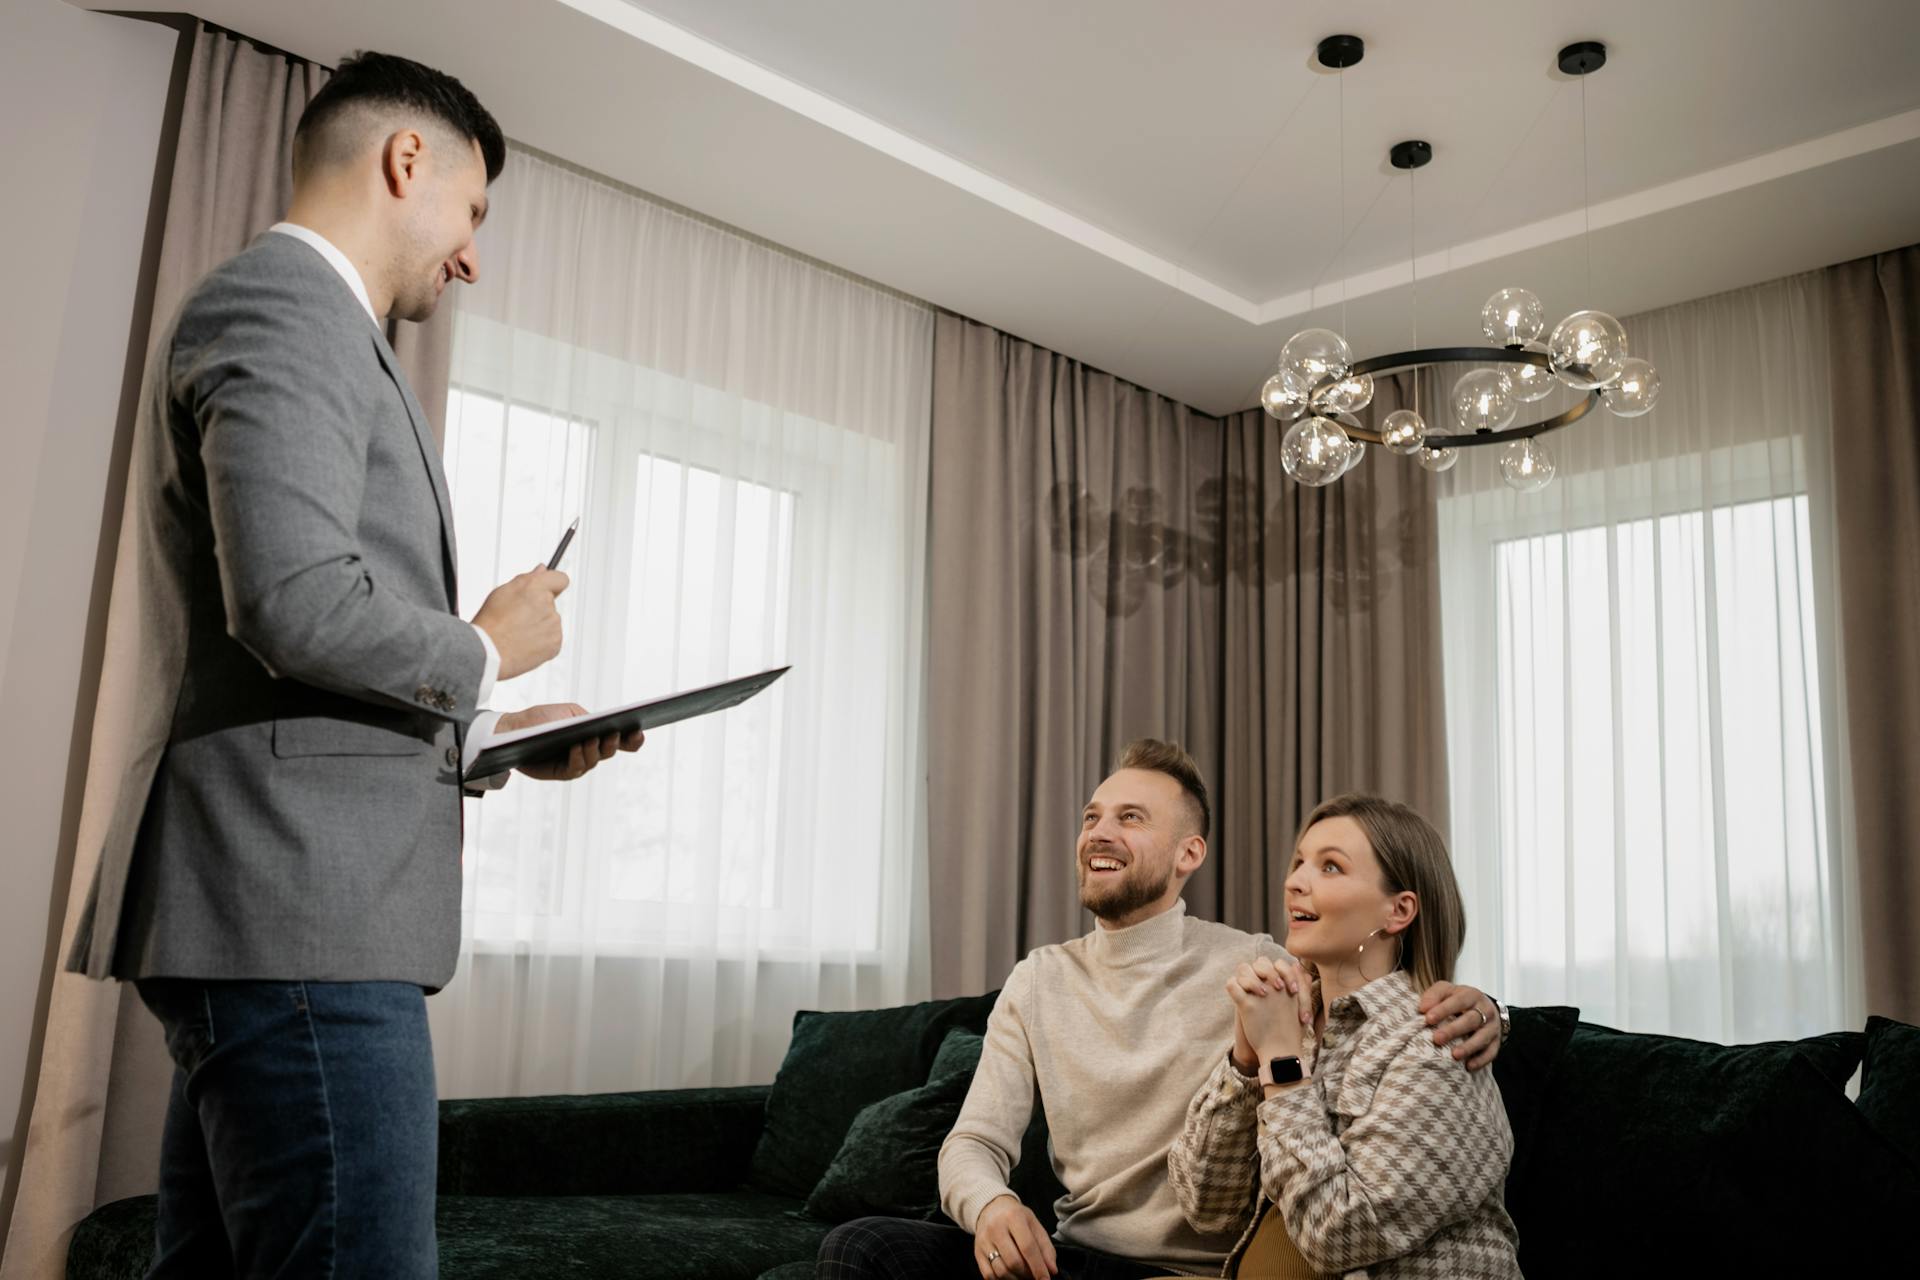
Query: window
682, 576
1662, 804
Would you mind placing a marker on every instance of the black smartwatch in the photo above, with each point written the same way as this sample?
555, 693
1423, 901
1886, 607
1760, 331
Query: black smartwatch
1288, 1070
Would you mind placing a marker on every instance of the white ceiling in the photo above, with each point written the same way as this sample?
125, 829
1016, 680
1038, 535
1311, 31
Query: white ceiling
1155, 188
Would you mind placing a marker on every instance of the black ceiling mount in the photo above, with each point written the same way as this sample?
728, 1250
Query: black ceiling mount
1583, 57
1410, 154
1340, 52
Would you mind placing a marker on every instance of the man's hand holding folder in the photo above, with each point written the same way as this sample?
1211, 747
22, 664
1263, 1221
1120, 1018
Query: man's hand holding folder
580, 757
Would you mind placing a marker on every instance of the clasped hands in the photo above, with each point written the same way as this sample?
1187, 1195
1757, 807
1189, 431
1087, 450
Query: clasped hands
1273, 1005
1272, 1009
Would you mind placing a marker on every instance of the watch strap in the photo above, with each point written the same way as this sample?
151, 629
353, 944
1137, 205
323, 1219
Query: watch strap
1287, 1070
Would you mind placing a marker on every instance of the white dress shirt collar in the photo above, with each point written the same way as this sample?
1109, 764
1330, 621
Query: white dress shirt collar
335, 259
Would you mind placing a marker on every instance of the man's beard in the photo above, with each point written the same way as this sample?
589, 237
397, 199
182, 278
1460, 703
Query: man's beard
1133, 892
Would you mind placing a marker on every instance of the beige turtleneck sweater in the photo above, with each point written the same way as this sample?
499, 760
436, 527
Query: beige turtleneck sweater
1116, 1030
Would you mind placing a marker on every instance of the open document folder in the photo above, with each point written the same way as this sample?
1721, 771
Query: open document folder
553, 739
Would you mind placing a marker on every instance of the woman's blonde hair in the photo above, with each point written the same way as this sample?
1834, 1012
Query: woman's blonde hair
1413, 859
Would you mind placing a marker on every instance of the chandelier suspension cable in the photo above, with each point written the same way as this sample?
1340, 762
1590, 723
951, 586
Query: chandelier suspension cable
1341, 266
1413, 263
1586, 195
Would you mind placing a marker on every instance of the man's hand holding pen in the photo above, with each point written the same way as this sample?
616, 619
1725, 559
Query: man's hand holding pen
529, 619
522, 617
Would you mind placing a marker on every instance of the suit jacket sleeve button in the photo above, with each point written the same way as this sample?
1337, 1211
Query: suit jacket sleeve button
453, 757
424, 695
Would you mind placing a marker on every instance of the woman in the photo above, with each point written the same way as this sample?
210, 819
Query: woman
1376, 1149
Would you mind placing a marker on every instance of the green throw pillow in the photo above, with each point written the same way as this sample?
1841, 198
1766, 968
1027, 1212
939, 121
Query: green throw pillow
1890, 1085
889, 1163
837, 1064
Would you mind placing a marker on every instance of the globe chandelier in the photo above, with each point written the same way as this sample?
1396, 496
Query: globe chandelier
1319, 387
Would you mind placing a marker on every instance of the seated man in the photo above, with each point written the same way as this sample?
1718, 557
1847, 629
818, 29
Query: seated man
1116, 1030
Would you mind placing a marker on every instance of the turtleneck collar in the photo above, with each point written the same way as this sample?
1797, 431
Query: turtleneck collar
1151, 939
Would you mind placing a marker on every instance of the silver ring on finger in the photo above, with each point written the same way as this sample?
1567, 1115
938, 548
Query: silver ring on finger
993, 1255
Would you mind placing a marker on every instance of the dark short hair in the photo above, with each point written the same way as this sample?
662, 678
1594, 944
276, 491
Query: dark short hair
383, 80
1172, 759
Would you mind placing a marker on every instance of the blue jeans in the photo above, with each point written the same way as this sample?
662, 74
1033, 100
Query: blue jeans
303, 1132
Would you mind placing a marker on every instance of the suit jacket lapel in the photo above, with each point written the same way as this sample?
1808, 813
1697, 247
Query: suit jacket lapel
430, 455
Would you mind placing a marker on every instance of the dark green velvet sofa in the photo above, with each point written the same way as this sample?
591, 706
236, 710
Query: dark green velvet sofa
1634, 1154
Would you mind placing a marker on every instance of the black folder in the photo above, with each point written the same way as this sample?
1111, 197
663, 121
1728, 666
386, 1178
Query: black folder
550, 741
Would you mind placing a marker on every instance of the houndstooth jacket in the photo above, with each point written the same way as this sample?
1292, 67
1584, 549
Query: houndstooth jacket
1389, 1162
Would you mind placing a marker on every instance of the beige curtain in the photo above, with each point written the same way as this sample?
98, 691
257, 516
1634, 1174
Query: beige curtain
1105, 564
1874, 345
102, 1078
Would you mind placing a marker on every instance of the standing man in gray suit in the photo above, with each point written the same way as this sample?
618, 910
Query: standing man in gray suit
282, 874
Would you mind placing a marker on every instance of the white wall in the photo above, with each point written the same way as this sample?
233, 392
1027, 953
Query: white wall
82, 98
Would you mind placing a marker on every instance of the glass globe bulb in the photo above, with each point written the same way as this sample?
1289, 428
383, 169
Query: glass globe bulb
1531, 381
1438, 460
1634, 391
1281, 398
1349, 395
1314, 355
1356, 454
1527, 465
1403, 432
1512, 318
1482, 400
1587, 349
1314, 451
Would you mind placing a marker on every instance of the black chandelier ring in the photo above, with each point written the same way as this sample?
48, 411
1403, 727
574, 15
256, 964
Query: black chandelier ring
1400, 361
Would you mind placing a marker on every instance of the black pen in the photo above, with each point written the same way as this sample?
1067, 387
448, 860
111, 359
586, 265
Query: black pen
565, 538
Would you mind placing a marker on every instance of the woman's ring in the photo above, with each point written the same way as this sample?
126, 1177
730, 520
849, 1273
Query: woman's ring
993, 1255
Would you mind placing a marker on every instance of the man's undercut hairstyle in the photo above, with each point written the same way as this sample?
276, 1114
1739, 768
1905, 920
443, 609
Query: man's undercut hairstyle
331, 128
1172, 759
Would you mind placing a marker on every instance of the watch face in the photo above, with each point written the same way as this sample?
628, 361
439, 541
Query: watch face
1285, 1070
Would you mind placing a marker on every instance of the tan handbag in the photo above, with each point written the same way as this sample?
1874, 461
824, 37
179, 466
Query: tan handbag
1271, 1254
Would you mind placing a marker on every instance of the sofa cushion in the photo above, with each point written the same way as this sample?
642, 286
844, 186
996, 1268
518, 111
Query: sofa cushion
1644, 1150
1808, 1159
889, 1163
839, 1063
1890, 1085
734, 1235
959, 1055
1525, 1064
115, 1241
584, 1144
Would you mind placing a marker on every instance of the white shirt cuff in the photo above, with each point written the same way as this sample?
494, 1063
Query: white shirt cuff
489, 674
479, 734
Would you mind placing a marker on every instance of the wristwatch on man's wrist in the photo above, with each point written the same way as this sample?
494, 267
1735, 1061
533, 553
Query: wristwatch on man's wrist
1287, 1070
1506, 1020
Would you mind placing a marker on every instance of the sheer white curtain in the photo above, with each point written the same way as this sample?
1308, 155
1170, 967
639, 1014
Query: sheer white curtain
743, 434
1643, 709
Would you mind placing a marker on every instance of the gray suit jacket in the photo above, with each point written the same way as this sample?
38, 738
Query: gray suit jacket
293, 806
